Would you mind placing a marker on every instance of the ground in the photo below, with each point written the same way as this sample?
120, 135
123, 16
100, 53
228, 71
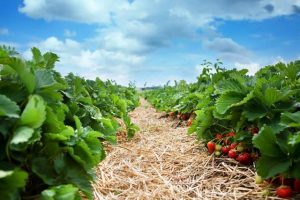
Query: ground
163, 162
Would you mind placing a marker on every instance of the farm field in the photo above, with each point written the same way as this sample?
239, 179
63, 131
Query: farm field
149, 100
163, 162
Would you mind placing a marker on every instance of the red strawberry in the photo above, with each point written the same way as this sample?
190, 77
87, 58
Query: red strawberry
297, 185
211, 147
184, 116
218, 136
244, 158
230, 134
225, 149
233, 145
254, 130
232, 154
284, 191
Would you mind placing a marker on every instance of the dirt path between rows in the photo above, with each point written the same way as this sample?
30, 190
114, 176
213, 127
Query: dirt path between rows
163, 162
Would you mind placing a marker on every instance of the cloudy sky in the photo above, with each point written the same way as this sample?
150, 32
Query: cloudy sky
153, 41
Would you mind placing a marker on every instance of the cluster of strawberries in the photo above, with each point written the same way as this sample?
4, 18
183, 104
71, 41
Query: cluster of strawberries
183, 116
221, 145
285, 187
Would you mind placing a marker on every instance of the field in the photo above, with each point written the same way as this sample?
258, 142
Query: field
227, 136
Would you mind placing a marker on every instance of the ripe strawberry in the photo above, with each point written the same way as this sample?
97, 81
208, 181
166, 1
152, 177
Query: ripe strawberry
219, 136
232, 154
218, 147
297, 185
230, 134
284, 191
233, 145
254, 130
244, 158
184, 116
225, 149
211, 147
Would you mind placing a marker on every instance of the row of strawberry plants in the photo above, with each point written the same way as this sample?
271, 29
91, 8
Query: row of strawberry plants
267, 104
52, 127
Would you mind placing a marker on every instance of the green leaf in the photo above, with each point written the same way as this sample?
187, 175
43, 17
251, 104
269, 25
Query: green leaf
290, 119
272, 95
22, 70
268, 167
266, 142
254, 110
8, 107
294, 139
231, 99
44, 78
34, 113
21, 138
11, 182
44, 169
61, 192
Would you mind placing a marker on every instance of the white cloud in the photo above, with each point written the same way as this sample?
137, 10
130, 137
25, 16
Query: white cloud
85, 11
144, 26
228, 50
128, 32
76, 58
4, 31
69, 33
252, 67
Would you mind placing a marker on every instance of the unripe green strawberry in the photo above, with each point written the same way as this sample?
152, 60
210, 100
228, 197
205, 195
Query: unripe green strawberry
218, 147
258, 179
217, 153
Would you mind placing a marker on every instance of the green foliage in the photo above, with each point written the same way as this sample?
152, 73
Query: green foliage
230, 100
52, 127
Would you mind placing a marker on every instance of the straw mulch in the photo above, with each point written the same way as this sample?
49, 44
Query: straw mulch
163, 162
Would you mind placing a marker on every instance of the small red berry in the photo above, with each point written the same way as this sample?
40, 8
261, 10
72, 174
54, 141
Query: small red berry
284, 191
297, 185
225, 149
211, 147
244, 158
232, 154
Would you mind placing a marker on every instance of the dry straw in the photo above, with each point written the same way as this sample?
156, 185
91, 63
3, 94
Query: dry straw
163, 162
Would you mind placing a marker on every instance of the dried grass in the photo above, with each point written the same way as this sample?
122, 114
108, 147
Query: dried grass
163, 162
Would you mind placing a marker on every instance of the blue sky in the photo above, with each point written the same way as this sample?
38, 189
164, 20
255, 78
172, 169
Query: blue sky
153, 41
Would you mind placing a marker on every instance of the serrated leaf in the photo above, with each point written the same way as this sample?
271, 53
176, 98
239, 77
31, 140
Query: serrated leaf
231, 99
268, 167
266, 142
272, 96
34, 113
11, 181
21, 138
8, 107
61, 192
22, 70
42, 167
290, 119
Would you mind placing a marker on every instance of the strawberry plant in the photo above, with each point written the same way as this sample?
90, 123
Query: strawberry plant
52, 127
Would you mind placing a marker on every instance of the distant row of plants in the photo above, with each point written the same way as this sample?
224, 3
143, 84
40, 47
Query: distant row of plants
52, 127
248, 118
